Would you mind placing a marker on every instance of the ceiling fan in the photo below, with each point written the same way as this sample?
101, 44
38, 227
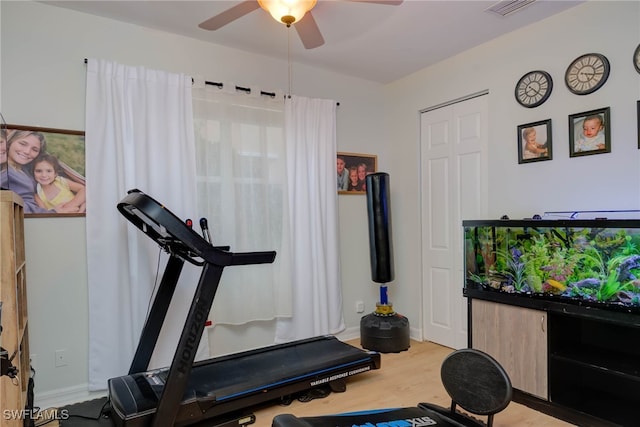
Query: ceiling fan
288, 12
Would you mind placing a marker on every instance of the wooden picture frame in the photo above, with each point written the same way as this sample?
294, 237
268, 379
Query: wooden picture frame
535, 142
64, 157
362, 164
581, 144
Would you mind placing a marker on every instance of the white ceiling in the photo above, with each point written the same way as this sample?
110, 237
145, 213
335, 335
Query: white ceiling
381, 43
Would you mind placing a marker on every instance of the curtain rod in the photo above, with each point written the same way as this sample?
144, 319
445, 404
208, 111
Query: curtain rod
220, 85
239, 88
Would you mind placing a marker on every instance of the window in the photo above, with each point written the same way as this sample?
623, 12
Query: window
241, 185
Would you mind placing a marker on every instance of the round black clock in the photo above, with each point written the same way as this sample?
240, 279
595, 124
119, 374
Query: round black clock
587, 73
636, 58
533, 88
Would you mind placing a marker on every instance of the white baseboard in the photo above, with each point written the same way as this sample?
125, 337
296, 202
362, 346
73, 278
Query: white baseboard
349, 334
66, 396
415, 334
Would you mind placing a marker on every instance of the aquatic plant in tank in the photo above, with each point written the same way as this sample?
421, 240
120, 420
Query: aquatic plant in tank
592, 262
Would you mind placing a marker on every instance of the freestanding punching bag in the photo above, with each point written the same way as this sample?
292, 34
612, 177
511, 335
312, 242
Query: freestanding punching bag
384, 330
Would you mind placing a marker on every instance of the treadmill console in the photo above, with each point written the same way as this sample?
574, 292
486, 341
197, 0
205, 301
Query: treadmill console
177, 238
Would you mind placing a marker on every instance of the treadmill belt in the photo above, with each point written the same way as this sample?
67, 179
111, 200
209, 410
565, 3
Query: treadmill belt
250, 374
243, 379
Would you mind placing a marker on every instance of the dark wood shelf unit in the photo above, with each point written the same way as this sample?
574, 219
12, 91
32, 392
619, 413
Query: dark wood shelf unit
593, 359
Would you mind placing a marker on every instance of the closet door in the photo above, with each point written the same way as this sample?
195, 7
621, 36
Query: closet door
453, 144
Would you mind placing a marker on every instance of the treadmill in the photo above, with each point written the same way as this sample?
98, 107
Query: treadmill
219, 391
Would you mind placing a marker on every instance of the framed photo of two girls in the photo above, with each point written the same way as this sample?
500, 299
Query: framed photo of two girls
46, 168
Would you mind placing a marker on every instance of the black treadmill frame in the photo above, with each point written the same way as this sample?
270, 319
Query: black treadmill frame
184, 244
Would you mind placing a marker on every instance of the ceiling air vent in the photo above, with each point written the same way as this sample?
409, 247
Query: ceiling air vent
508, 7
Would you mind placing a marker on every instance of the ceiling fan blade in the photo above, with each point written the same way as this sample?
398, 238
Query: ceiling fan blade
309, 32
229, 15
389, 2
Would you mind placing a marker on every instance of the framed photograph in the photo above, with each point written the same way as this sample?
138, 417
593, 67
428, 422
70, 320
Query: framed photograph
590, 132
352, 169
46, 167
534, 142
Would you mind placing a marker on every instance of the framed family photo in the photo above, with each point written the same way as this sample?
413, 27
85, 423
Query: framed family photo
590, 132
352, 169
534, 142
46, 167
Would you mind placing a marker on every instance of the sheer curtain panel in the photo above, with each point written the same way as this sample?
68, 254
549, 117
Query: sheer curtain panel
310, 132
139, 133
242, 191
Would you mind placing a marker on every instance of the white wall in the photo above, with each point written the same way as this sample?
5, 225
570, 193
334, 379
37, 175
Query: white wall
43, 81
43, 78
604, 181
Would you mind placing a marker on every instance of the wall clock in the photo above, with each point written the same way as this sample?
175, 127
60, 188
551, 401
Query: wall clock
587, 73
533, 88
636, 58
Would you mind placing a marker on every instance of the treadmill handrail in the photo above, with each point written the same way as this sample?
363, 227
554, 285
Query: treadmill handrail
182, 243
176, 237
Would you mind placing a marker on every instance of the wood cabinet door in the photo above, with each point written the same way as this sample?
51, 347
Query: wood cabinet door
517, 338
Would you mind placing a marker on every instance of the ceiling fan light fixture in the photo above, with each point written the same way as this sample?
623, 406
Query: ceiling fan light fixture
287, 11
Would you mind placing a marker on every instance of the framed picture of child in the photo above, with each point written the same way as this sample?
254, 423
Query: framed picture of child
352, 169
46, 168
534, 142
590, 132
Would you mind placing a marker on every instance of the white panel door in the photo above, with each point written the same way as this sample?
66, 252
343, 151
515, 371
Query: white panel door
453, 144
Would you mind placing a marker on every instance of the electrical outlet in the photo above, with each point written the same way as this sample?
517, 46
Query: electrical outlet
61, 358
359, 307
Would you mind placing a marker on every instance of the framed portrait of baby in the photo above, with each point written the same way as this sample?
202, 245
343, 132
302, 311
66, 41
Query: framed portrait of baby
46, 168
590, 132
352, 169
534, 142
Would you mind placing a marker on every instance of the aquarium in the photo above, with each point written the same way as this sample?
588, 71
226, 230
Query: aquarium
587, 262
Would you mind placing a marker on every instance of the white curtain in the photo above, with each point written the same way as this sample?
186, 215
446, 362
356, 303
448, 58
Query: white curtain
310, 132
242, 191
139, 133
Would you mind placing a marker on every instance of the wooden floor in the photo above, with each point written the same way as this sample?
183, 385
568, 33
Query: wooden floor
405, 379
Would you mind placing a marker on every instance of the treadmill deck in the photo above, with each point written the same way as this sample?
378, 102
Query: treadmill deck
235, 382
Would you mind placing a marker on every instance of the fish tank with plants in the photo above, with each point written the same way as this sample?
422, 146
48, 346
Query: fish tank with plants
588, 262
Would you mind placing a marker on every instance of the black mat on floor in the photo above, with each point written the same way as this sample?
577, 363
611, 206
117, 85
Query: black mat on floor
86, 414
95, 413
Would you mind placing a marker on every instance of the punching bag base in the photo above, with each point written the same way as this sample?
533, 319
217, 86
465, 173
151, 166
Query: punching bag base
384, 333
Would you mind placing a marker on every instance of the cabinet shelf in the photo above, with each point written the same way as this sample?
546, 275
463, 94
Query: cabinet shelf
20, 265
596, 358
595, 391
598, 404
